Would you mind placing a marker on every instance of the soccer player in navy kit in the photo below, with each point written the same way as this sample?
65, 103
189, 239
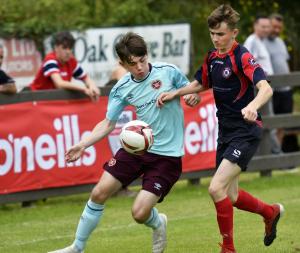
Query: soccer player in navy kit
160, 167
232, 72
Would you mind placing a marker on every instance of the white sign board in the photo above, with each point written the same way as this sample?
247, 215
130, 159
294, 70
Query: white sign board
94, 48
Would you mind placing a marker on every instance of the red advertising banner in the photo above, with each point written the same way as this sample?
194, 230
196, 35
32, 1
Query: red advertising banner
200, 134
35, 135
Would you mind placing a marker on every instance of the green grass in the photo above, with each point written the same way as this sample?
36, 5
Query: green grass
192, 224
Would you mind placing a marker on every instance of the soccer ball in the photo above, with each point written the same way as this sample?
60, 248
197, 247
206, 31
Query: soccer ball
136, 137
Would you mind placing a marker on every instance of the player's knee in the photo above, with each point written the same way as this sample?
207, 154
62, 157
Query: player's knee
215, 190
99, 196
139, 214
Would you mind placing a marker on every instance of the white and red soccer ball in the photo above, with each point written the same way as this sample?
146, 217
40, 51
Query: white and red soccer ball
136, 137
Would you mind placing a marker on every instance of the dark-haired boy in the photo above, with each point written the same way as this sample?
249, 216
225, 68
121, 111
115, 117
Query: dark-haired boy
60, 66
161, 166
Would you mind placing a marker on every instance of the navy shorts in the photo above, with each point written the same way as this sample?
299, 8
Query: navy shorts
239, 152
238, 141
158, 173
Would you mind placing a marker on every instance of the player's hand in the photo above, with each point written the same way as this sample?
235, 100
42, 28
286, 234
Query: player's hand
74, 153
90, 93
164, 97
249, 113
192, 99
95, 92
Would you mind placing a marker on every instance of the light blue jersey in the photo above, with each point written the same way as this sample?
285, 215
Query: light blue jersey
166, 122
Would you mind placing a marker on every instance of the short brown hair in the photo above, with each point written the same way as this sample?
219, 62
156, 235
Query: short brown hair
64, 38
224, 13
131, 44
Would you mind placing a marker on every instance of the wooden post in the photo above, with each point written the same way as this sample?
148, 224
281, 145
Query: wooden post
194, 181
265, 145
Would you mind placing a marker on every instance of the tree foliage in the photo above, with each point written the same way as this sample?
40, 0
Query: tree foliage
37, 19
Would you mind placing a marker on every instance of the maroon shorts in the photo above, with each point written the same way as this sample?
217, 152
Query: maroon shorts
158, 173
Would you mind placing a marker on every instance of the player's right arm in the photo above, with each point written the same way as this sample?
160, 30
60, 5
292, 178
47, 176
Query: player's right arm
102, 129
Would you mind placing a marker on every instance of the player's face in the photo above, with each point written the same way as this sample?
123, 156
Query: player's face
223, 37
138, 66
1, 56
63, 53
276, 27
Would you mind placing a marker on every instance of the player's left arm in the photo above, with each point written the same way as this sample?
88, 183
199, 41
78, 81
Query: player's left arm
253, 71
193, 87
265, 92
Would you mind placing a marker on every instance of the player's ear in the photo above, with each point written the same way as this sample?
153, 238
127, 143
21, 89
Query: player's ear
235, 33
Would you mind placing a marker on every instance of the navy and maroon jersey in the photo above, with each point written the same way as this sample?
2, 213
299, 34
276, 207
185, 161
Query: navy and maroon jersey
232, 76
52, 65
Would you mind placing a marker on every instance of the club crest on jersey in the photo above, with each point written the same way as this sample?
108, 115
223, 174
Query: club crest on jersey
156, 84
227, 72
252, 61
112, 162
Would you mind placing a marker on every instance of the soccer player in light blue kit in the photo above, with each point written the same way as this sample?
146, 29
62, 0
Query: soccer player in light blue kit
161, 166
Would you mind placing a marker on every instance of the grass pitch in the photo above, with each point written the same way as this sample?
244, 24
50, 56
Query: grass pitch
192, 226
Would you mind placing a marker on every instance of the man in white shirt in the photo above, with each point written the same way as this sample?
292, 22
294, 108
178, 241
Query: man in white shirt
255, 43
282, 96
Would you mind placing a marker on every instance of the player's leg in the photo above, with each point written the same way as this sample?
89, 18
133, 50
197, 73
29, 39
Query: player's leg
92, 212
94, 208
144, 212
160, 174
226, 174
245, 201
270, 213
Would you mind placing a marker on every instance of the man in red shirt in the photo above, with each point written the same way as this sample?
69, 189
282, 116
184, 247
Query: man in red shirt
59, 66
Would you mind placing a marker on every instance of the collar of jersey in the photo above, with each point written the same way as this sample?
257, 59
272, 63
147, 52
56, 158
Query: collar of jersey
235, 44
139, 81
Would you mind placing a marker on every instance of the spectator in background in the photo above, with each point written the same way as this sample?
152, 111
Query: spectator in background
7, 84
59, 66
256, 46
255, 43
282, 96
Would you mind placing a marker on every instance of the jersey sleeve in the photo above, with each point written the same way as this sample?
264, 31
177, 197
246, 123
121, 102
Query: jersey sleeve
252, 69
78, 71
179, 79
201, 74
4, 78
50, 66
115, 105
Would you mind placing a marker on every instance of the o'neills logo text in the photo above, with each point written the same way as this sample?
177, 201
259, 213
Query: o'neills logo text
201, 136
47, 151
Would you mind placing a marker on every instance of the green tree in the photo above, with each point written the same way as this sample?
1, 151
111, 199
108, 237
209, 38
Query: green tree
37, 19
